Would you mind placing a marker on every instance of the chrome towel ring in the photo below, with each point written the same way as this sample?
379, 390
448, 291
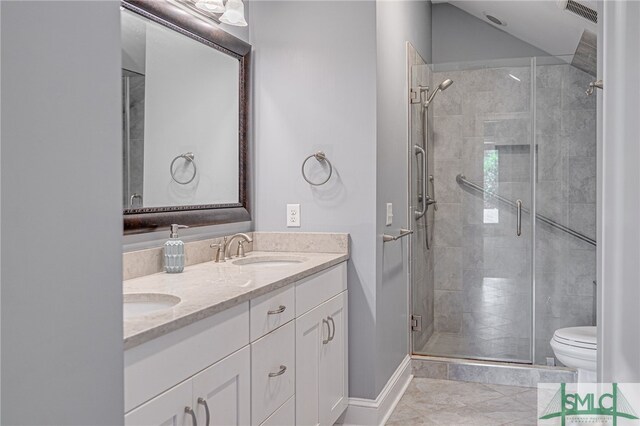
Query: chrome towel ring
189, 157
319, 156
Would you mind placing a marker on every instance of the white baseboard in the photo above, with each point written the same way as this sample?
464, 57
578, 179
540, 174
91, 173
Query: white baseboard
376, 412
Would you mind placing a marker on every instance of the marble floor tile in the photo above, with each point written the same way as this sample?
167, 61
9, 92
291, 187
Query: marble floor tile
445, 402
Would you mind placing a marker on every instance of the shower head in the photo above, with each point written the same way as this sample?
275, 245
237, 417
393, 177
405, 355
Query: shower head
445, 84
441, 87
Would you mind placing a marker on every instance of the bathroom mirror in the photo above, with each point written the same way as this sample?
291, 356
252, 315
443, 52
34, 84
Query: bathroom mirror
184, 114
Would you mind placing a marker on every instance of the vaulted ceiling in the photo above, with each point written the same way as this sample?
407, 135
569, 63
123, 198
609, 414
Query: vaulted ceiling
541, 23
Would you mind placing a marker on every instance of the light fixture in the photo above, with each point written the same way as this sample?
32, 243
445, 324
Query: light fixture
213, 6
234, 15
514, 77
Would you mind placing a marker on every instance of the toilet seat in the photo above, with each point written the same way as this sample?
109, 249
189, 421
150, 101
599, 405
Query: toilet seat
576, 347
578, 337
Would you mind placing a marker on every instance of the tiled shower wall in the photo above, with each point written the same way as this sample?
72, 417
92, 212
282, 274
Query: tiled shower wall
421, 259
482, 270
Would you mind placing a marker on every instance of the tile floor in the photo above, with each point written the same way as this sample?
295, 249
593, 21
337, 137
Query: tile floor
447, 402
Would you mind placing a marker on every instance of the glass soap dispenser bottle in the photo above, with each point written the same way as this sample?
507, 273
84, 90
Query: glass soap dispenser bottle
174, 251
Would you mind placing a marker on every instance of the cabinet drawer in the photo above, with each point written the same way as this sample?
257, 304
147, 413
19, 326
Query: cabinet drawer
271, 310
272, 372
318, 288
284, 416
157, 365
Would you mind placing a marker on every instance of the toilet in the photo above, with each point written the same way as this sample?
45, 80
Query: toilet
576, 347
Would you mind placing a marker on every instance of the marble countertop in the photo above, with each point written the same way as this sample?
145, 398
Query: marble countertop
207, 288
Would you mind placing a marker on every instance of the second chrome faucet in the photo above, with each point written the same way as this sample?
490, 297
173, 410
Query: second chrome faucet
223, 250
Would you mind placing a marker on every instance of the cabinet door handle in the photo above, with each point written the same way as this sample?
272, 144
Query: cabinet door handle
325, 341
280, 310
203, 401
189, 411
333, 325
280, 372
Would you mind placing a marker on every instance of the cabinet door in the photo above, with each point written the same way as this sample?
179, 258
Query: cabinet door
310, 333
334, 390
167, 409
225, 387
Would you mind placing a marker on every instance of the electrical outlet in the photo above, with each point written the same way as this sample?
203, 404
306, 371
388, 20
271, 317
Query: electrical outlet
293, 215
389, 214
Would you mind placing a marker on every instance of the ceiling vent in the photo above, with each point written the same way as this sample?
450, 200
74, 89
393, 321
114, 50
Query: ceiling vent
579, 9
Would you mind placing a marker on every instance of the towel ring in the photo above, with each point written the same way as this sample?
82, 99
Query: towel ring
320, 156
188, 156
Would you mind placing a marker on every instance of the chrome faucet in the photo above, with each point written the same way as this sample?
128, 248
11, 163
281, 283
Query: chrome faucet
226, 248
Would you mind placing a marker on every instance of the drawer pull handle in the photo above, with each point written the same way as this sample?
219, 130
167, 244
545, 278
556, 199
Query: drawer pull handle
328, 339
332, 333
280, 372
280, 310
189, 411
203, 401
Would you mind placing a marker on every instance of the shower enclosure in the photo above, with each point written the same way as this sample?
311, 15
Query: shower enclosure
506, 255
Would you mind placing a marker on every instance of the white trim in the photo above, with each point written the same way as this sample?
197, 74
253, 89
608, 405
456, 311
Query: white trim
375, 412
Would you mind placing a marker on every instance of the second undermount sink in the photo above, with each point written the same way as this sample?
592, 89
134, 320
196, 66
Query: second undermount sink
140, 304
269, 260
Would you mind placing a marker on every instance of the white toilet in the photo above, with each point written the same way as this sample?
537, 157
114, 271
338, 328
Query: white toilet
576, 347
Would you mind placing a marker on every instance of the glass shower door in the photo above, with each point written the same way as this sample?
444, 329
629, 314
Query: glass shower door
420, 167
475, 277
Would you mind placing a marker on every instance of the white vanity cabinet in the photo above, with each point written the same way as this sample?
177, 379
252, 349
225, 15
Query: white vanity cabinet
207, 359
217, 396
279, 359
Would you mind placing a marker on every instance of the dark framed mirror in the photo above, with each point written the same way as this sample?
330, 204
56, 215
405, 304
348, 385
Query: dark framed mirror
185, 92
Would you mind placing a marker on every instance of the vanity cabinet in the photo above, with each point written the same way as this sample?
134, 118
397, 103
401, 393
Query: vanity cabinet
222, 390
321, 363
278, 359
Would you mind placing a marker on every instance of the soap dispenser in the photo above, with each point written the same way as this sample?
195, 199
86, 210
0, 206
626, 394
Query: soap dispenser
174, 251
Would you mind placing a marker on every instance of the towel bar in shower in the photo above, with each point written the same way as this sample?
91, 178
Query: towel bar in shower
462, 180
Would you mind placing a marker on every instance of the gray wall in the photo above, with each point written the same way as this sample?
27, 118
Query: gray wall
61, 218
315, 89
459, 36
397, 23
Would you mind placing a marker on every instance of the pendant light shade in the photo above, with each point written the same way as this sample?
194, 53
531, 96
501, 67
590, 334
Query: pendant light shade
234, 14
213, 6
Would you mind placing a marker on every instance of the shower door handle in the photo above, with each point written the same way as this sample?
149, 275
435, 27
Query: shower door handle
419, 151
519, 217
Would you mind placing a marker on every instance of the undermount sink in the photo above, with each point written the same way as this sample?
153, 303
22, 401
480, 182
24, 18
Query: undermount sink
269, 261
141, 304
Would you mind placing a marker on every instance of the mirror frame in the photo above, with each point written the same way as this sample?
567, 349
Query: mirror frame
174, 17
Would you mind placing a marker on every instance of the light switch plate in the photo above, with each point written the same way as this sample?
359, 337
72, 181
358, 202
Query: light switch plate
293, 215
389, 214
